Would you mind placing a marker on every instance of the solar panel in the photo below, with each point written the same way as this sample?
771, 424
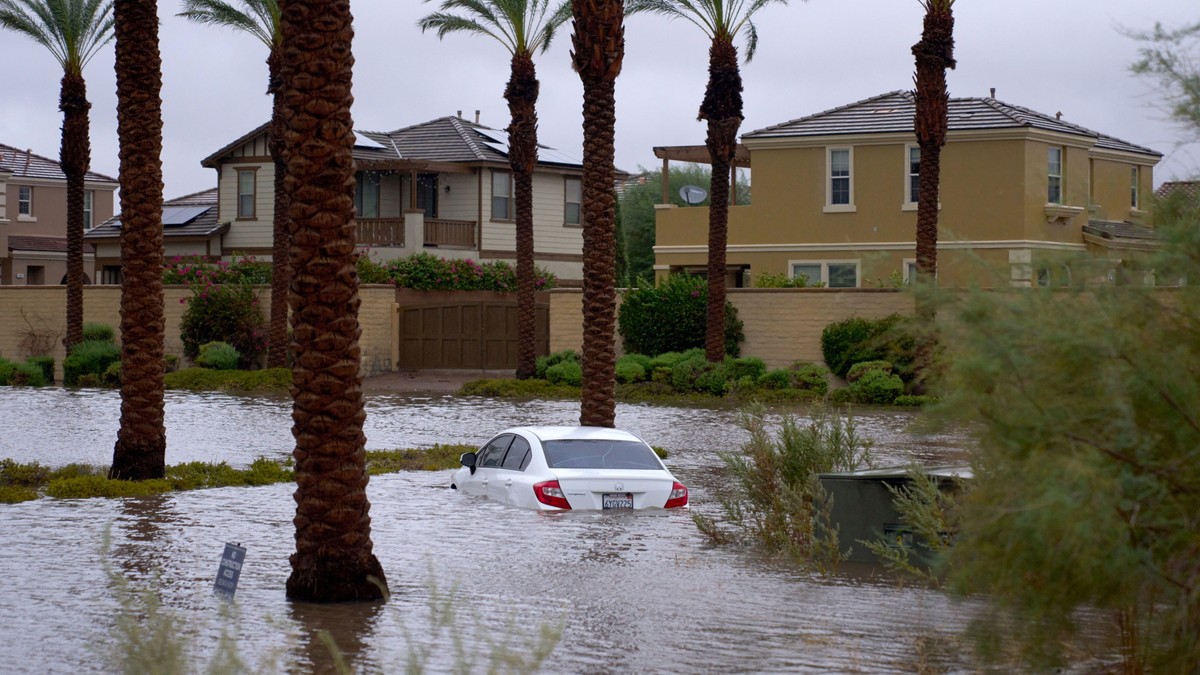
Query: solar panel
182, 215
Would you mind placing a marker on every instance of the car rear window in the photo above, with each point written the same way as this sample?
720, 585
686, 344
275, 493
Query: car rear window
599, 454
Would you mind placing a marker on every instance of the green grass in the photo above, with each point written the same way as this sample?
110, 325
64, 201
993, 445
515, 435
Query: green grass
437, 458
204, 379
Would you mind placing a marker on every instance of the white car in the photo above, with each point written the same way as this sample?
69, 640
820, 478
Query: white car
579, 468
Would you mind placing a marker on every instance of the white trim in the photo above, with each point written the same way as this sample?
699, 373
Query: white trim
904, 264
909, 204
824, 265
877, 246
848, 207
1062, 170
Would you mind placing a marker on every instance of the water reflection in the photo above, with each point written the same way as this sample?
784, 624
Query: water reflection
335, 638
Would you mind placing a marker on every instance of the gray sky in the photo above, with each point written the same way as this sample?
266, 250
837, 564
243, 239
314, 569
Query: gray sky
1048, 55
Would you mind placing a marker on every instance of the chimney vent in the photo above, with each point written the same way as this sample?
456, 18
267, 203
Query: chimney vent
1058, 115
476, 117
459, 114
993, 94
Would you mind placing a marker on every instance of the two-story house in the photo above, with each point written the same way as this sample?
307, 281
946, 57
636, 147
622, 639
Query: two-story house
835, 198
443, 187
33, 218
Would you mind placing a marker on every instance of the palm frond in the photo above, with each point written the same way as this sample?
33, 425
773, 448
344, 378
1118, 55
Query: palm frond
522, 26
719, 19
73, 30
259, 18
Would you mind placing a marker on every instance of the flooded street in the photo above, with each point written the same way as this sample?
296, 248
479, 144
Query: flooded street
639, 592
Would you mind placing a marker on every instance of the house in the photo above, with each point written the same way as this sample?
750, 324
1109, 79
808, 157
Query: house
33, 217
190, 230
835, 198
442, 187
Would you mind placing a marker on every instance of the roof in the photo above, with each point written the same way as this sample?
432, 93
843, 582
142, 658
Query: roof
898, 472
893, 112
30, 243
1190, 189
25, 164
193, 215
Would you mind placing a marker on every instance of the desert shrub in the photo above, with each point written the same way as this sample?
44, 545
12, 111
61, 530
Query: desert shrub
669, 359
781, 280
859, 369
111, 377
100, 332
22, 475
877, 386
914, 401
218, 356
775, 379
713, 379
6, 370
205, 379
171, 362
224, 313
46, 364
544, 362
27, 375
671, 317
629, 370
429, 273
686, 370
90, 357
850, 341
809, 376
565, 372
749, 366
10, 494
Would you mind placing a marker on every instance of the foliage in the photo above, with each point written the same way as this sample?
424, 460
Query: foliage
568, 373
779, 504
877, 387
854, 340
630, 369
197, 475
226, 312
90, 357
437, 458
27, 374
1169, 56
44, 363
100, 332
82, 487
196, 271
637, 202
518, 389
205, 379
671, 317
425, 272
782, 280
863, 367
1086, 401
918, 401
929, 509
218, 356
111, 377
544, 362
10, 494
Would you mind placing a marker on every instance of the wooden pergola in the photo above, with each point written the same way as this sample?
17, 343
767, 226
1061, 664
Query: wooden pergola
698, 154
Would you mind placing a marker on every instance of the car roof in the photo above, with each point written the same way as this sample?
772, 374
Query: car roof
551, 433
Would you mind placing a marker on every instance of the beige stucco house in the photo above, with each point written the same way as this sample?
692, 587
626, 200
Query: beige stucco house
33, 218
441, 187
834, 198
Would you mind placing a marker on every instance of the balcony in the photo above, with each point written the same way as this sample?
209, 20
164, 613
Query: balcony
450, 234
381, 231
433, 233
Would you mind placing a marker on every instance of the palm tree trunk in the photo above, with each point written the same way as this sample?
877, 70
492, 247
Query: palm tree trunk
333, 560
934, 54
140, 451
522, 95
277, 343
722, 108
599, 47
75, 156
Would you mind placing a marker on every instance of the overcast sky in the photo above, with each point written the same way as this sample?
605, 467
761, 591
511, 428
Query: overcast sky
1052, 56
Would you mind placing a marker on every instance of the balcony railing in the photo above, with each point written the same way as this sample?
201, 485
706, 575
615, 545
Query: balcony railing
450, 233
381, 231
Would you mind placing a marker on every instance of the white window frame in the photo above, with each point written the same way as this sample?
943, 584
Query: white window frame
1135, 192
253, 194
509, 200
830, 207
89, 202
825, 270
578, 222
909, 203
25, 203
1051, 176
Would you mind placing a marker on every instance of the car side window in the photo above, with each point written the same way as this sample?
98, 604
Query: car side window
493, 454
518, 455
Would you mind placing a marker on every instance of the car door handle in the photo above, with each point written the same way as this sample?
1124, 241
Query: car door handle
508, 483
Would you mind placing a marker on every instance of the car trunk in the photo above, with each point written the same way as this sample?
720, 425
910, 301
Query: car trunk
614, 488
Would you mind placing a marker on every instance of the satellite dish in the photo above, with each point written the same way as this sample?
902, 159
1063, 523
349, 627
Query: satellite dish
692, 194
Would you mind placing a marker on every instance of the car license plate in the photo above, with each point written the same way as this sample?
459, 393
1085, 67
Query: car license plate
617, 500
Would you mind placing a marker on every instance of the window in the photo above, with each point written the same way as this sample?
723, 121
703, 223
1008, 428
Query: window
910, 271
840, 189
1054, 171
837, 274
35, 275
427, 193
502, 191
493, 454
245, 193
914, 174
111, 274
25, 200
518, 455
88, 197
366, 194
1133, 187
572, 200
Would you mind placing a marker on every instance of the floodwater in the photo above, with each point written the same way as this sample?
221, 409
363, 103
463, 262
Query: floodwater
638, 592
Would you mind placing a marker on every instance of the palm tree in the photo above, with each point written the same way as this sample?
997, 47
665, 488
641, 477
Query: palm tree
721, 21
141, 447
523, 27
73, 31
934, 54
599, 48
260, 18
333, 559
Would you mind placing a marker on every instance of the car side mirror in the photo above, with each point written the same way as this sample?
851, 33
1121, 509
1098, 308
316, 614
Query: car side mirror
468, 460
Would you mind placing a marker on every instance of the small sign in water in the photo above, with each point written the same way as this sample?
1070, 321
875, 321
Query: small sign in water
230, 570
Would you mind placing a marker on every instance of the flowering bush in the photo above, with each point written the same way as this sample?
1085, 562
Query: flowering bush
428, 273
224, 313
186, 271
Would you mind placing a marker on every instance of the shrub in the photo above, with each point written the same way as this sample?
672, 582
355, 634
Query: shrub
712, 379
845, 343
775, 379
218, 356
544, 362
630, 371
224, 313
90, 357
102, 486
204, 379
914, 401
426, 272
750, 366
193, 270
809, 377
686, 370
6, 370
27, 374
669, 359
877, 386
100, 332
111, 377
171, 362
15, 495
46, 364
781, 280
671, 317
859, 369
565, 372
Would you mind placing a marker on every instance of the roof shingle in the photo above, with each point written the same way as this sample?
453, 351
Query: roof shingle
26, 164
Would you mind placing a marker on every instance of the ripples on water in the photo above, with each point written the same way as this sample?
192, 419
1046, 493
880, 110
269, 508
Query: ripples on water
634, 592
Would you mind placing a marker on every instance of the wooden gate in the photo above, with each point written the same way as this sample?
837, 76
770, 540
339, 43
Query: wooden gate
465, 329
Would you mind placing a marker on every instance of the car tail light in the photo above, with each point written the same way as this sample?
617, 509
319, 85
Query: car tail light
551, 494
678, 496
